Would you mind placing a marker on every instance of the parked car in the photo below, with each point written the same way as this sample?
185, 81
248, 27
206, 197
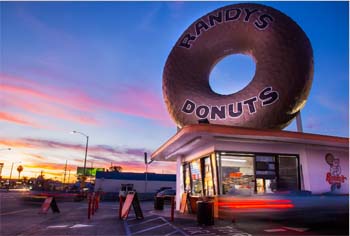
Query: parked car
167, 193
162, 189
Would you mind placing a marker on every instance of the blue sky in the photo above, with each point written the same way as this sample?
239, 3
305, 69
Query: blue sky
96, 67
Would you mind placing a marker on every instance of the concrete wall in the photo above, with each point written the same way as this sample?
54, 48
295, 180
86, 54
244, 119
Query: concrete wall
113, 185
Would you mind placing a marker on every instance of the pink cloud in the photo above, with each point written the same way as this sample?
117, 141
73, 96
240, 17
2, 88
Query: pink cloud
42, 108
70, 98
131, 159
142, 102
130, 100
94, 149
16, 119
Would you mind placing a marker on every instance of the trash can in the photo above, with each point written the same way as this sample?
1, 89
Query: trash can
205, 212
159, 203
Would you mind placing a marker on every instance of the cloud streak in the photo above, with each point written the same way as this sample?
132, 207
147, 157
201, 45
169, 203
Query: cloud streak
4, 116
140, 101
42, 144
63, 103
48, 110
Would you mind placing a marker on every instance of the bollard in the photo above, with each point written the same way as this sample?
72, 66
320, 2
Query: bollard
172, 209
97, 202
89, 208
120, 206
159, 203
93, 204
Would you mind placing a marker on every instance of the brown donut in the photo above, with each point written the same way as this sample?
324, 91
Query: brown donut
282, 81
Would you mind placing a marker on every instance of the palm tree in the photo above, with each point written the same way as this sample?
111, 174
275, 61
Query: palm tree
19, 169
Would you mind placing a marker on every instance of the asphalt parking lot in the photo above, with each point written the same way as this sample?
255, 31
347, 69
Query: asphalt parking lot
18, 218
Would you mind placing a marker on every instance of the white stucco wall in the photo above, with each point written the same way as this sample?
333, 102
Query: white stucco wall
318, 168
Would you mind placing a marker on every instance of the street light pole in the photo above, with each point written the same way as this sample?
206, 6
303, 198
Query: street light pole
2, 164
11, 172
86, 149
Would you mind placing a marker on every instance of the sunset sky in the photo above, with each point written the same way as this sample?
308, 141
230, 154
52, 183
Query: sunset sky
96, 67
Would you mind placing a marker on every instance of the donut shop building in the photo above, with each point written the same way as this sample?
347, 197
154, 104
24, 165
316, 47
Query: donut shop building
234, 144
217, 160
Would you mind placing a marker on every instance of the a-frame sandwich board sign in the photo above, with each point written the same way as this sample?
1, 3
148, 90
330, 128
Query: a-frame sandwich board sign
131, 199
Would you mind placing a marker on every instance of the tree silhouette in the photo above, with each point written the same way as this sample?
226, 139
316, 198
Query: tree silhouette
19, 169
115, 168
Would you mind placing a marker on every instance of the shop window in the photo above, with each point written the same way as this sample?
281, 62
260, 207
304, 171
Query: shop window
214, 173
208, 178
237, 174
265, 171
187, 178
195, 167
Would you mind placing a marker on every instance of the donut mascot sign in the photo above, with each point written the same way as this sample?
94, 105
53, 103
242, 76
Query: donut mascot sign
334, 177
282, 81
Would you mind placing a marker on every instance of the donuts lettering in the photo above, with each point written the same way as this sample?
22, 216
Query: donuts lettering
233, 110
230, 14
282, 81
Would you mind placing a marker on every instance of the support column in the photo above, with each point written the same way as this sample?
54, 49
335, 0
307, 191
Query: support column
179, 181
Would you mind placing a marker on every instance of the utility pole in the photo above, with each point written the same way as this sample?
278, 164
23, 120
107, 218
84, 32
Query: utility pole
68, 175
146, 162
65, 171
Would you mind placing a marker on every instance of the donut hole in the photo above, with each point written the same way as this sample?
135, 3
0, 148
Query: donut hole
231, 74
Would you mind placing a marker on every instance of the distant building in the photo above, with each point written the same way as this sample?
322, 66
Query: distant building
143, 183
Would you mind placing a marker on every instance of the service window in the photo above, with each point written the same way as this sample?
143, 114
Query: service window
237, 174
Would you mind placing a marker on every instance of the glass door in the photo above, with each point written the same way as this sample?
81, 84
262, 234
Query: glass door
288, 173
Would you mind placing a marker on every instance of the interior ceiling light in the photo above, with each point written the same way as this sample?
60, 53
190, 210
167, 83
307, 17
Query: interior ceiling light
234, 160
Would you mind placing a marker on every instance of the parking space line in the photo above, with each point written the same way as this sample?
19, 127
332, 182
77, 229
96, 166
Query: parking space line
173, 226
127, 229
146, 221
296, 229
150, 228
79, 226
128, 232
13, 212
171, 233
274, 230
56, 226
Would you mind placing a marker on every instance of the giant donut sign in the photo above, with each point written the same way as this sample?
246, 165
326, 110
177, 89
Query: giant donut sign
282, 81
